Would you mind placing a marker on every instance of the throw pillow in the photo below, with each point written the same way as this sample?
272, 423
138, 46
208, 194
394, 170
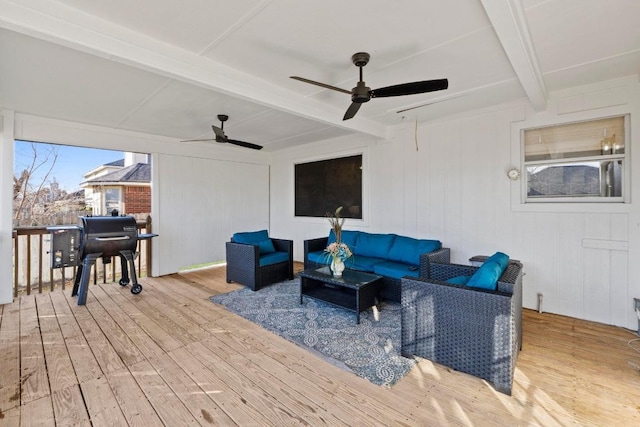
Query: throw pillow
486, 277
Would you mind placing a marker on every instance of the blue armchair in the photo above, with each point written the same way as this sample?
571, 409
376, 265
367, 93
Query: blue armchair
473, 329
256, 260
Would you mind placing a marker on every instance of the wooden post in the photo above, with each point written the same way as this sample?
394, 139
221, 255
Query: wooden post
149, 247
28, 264
40, 256
16, 264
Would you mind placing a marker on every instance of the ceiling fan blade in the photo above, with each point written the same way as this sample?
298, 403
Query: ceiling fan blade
197, 140
411, 88
352, 110
244, 144
324, 85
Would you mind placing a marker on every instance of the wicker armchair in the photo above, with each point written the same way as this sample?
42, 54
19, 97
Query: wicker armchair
247, 266
468, 329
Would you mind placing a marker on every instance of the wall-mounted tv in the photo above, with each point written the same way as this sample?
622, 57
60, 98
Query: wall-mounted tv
322, 186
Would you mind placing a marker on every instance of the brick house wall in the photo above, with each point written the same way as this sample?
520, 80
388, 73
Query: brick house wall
137, 199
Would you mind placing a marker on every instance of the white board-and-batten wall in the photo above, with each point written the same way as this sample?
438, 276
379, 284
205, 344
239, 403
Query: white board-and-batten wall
454, 188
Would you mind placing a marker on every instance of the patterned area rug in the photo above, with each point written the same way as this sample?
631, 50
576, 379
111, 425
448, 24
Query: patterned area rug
370, 349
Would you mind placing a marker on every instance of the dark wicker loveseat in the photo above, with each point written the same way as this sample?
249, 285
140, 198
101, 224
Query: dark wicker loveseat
250, 264
472, 330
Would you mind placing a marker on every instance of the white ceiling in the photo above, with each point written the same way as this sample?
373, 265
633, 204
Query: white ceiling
168, 67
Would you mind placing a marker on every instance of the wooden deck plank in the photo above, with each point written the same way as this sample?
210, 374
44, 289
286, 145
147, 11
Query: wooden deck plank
229, 389
37, 413
69, 408
136, 408
104, 353
185, 297
84, 363
102, 405
11, 417
201, 406
167, 405
10, 357
127, 351
262, 392
33, 368
176, 313
162, 319
143, 343
59, 367
161, 337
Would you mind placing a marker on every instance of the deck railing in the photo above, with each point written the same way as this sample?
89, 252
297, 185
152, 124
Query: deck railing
32, 270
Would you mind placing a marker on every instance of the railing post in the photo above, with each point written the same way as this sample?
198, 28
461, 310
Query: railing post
149, 247
15, 263
28, 264
40, 257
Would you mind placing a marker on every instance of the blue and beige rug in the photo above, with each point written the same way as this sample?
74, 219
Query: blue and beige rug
370, 349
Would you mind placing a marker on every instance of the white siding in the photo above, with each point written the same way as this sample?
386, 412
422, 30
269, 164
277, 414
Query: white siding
201, 203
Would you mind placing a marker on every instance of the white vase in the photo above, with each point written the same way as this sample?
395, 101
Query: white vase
337, 267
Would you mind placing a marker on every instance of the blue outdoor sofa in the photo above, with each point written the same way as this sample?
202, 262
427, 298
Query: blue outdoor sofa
388, 255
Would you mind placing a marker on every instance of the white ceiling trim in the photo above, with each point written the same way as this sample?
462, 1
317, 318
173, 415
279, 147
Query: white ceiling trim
509, 22
98, 37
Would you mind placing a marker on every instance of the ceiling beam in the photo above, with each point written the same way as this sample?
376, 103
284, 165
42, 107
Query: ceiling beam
57, 23
510, 25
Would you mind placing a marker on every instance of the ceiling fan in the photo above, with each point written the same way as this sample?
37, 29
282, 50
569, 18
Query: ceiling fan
221, 137
361, 93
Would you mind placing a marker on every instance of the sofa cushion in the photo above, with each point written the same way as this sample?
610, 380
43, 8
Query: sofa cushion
349, 237
266, 246
408, 250
374, 245
395, 270
250, 236
257, 238
362, 263
273, 258
486, 277
458, 280
319, 257
501, 258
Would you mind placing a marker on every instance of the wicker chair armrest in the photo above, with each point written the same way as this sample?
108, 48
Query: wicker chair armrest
445, 271
454, 290
442, 255
242, 254
283, 245
314, 245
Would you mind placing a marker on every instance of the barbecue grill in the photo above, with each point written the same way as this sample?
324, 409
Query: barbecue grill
97, 237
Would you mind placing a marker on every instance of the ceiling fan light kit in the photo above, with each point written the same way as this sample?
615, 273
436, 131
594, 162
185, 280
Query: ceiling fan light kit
361, 93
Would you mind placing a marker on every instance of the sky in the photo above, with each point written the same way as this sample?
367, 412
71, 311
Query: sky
71, 165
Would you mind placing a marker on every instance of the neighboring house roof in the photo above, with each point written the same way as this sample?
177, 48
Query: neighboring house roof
565, 180
138, 173
119, 163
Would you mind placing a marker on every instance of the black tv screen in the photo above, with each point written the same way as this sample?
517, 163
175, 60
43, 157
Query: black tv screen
322, 186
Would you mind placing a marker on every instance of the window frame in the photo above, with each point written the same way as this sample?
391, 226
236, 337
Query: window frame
525, 199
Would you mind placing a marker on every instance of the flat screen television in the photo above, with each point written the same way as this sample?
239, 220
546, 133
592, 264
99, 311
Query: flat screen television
322, 186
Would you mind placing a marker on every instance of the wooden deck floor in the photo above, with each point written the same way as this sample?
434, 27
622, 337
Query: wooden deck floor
170, 357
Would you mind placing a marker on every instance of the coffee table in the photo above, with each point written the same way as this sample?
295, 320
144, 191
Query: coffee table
355, 290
